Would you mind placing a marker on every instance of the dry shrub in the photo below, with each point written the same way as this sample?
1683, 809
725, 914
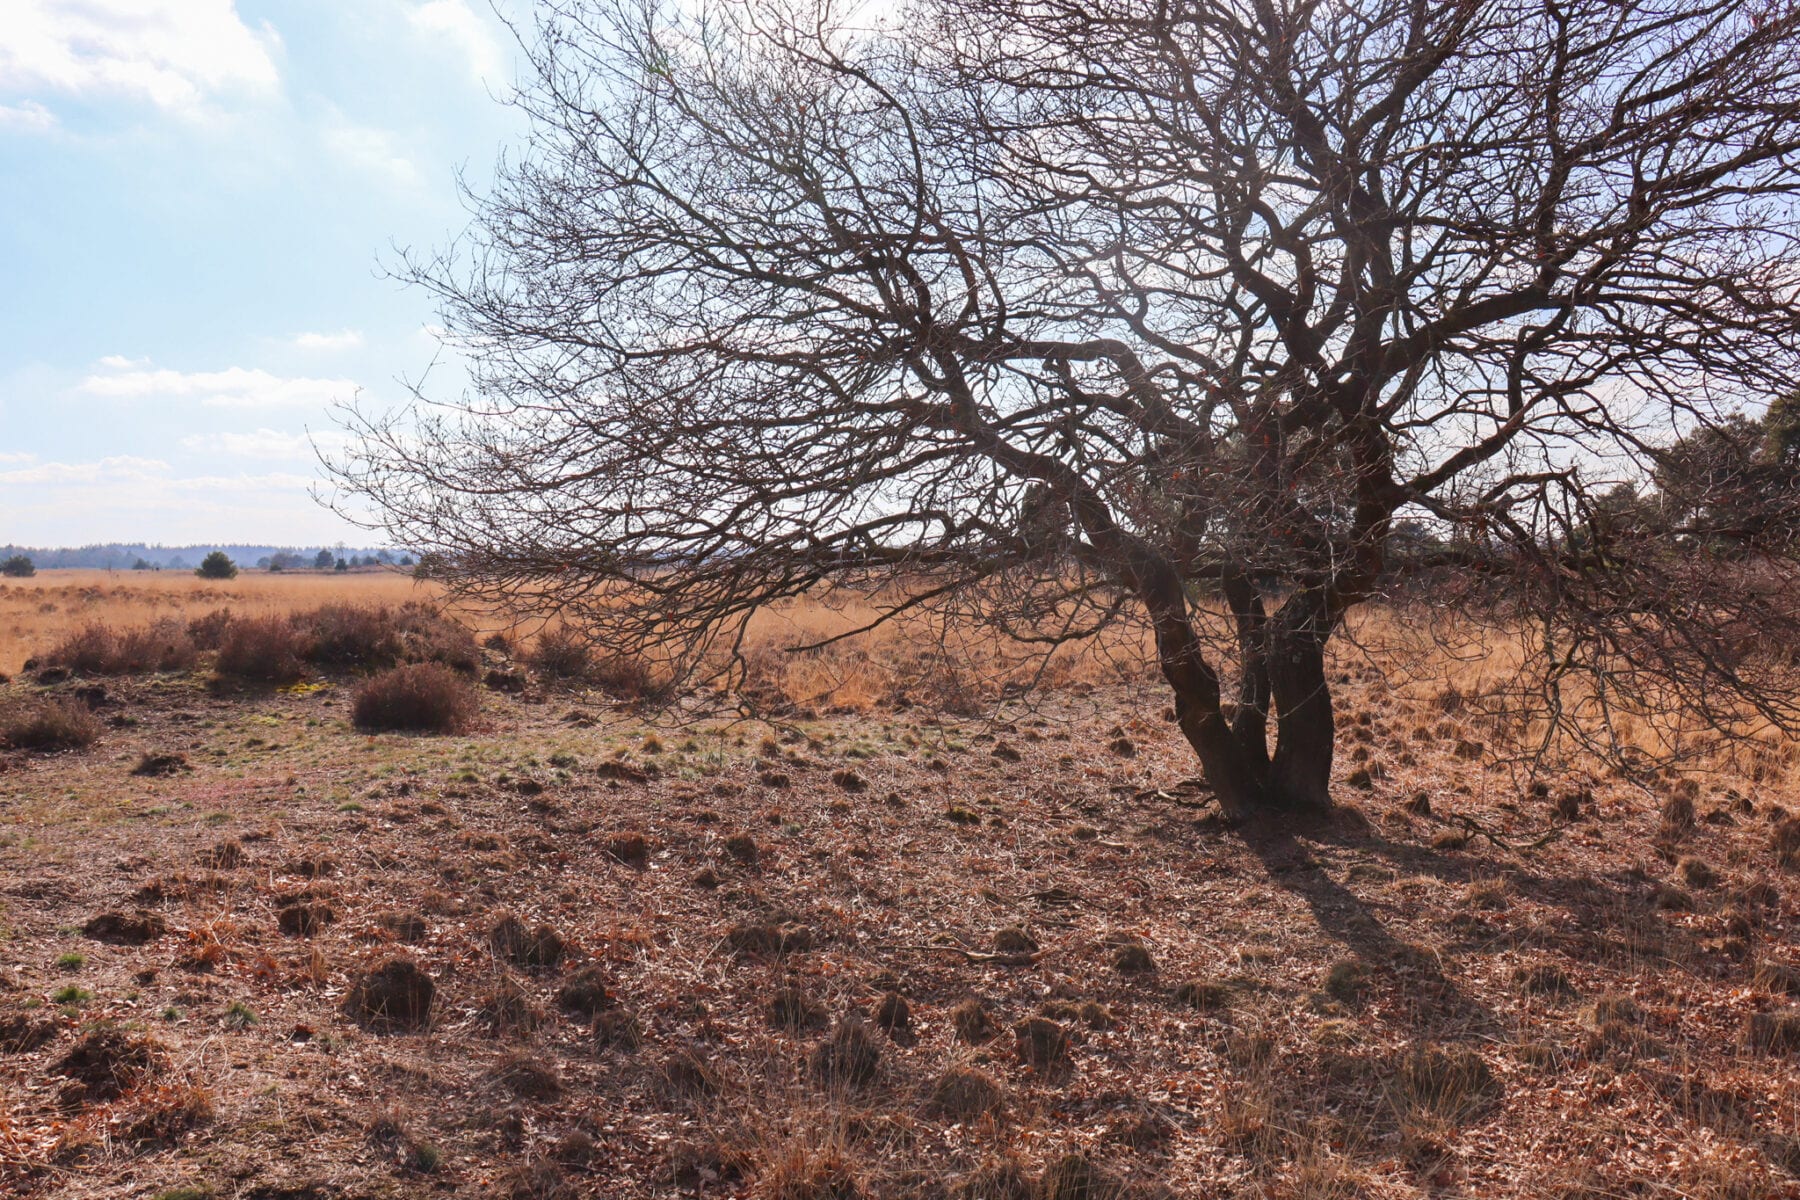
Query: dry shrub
354, 636
207, 631
418, 697
268, 649
58, 724
625, 677
371, 637
560, 653
428, 635
97, 649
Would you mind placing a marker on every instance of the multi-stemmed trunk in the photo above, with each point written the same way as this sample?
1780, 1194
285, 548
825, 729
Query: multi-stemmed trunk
1282, 677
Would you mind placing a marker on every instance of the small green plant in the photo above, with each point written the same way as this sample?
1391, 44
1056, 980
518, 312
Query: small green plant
72, 994
171, 1013
239, 1016
71, 961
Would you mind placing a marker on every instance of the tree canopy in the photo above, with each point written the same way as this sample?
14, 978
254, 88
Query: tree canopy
1075, 311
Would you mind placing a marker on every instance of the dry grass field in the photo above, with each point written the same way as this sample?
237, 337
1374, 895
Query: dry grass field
891, 944
35, 612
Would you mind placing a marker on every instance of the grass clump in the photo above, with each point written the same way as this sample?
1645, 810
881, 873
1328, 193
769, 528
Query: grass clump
559, 654
419, 698
58, 724
98, 649
265, 649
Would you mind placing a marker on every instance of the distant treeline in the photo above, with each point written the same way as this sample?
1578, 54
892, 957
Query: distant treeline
123, 556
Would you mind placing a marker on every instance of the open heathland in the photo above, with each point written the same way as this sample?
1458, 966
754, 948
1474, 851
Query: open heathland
885, 948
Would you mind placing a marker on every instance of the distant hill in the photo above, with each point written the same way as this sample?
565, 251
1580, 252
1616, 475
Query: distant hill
121, 556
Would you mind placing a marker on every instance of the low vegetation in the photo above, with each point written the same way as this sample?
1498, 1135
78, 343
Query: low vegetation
419, 697
870, 948
58, 723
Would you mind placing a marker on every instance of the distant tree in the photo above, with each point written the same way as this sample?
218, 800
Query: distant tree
266, 563
143, 564
1735, 486
217, 565
405, 560
324, 560
1064, 312
19, 566
342, 565
384, 557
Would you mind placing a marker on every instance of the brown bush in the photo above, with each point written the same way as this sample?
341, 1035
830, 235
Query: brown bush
208, 632
560, 653
419, 697
58, 724
97, 649
427, 635
263, 648
355, 636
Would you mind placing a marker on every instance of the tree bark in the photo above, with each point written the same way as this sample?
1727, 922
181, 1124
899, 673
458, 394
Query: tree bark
1283, 669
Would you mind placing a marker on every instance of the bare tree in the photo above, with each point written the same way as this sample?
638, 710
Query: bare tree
1095, 307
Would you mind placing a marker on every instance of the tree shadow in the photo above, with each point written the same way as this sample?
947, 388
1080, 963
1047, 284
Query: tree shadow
1435, 1005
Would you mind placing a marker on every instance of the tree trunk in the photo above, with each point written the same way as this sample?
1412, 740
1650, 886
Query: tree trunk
1300, 774
1284, 669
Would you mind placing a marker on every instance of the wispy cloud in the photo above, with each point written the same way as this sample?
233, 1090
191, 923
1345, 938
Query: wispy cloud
265, 443
121, 468
233, 387
373, 151
343, 339
125, 497
175, 54
29, 117
456, 23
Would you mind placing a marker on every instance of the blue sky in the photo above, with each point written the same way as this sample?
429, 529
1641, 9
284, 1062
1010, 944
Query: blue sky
196, 199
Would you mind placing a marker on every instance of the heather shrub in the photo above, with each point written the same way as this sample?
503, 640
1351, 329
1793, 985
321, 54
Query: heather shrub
427, 635
208, 632
367, 637
96, 649
417, 697
263, 648
625, 677
350, 635
57, 724
559, 653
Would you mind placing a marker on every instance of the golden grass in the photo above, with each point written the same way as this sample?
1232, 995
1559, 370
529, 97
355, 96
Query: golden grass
35, 613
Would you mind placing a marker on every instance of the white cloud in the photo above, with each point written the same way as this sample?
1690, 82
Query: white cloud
66, 503
122, 468
455, 22
343, 339
234, 387
13, 457
373, 150
118, 362
29, 117
176, 54
264, 443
